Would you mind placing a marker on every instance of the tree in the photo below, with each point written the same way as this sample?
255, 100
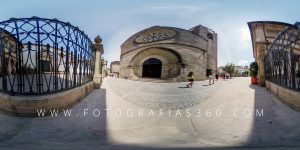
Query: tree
236, 74
230, 68
246, 74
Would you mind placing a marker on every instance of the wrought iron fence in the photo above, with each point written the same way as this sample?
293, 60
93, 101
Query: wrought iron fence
282, 60
40, 56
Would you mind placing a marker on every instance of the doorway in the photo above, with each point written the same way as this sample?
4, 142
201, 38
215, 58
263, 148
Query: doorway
152, 68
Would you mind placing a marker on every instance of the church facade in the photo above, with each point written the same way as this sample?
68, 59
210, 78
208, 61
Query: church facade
169, 53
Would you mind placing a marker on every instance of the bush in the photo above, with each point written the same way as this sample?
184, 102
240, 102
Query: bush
253, 69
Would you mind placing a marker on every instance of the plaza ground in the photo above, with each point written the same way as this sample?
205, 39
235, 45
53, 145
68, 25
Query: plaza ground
126, 114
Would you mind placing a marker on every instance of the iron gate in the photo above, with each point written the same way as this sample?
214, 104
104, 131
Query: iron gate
282, 60
40, 56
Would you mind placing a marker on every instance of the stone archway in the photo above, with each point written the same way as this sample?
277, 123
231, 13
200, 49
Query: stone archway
152, 68
169, 63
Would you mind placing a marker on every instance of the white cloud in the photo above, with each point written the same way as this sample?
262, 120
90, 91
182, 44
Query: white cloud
243, 63
234, 44
112, 48
245, 37
181, 9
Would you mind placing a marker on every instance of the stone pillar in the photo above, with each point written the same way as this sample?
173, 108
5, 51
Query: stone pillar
97, 72
261, 65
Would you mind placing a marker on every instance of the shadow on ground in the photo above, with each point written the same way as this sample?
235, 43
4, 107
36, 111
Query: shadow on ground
80, 130
279, 125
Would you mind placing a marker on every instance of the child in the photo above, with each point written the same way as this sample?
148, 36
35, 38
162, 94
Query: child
191, 80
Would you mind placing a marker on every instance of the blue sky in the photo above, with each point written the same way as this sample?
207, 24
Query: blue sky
117, 20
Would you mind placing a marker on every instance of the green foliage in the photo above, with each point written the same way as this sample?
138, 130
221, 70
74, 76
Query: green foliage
230, 68
253, 69
246, 74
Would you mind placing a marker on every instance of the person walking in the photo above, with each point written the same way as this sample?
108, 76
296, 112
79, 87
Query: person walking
217, 77
211, 78
190, 79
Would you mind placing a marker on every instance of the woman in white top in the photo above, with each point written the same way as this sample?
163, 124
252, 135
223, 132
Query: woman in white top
211, 77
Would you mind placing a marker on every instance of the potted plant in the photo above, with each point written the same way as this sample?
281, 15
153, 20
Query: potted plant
253, 72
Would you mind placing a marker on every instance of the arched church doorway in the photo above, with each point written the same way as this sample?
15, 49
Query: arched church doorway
152, 68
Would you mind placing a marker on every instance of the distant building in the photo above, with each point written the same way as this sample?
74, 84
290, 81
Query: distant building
115, 68
241, 70
105, 70
108, 71
8, 53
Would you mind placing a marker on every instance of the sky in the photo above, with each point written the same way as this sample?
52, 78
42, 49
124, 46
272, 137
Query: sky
117, 20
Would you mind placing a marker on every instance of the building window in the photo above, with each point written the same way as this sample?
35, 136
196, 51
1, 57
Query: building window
210, 36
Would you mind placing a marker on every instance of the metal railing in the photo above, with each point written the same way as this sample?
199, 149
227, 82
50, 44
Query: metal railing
282, 60
41, 56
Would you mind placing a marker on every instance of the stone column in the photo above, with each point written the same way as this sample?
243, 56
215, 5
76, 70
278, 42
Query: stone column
261, 64
97, 72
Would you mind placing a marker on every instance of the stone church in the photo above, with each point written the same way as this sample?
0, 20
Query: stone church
169, 53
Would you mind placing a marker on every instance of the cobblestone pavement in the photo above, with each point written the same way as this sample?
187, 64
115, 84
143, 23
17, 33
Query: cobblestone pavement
125, 114
162, 95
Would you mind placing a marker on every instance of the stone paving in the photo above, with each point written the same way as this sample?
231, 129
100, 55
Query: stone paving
162, 95
226, 115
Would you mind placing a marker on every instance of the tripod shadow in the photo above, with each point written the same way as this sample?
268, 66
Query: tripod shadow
183, 87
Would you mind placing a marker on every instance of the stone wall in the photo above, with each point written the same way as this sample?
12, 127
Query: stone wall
181, 51
211, 38
28, 105
190, 59
180, 37
287, 96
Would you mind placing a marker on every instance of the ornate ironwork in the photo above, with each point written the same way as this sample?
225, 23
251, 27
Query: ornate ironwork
40, 56
282, 60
